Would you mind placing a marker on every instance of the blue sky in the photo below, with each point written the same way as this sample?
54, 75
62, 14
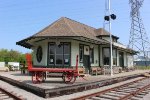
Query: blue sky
22, 18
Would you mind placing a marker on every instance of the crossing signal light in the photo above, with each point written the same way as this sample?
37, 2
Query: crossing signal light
112, 16
106, 18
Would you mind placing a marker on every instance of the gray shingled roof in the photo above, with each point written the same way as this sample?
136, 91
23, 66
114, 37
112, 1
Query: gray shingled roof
68, 27
101, 32
65, 27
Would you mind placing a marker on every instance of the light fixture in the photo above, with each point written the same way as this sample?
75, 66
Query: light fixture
91, 46
57, 42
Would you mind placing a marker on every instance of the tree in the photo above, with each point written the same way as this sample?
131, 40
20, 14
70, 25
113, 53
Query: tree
3, 54
11, 56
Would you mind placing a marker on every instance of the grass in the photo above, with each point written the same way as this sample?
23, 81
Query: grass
143, 67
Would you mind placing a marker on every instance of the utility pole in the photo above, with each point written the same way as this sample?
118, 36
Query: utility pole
108, 18
111, 58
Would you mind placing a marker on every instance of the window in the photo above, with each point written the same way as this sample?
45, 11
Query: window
59, 60
114, 56
81, 49
92, 55
67, 51
59, 55
51, 53
114, 40
106, 56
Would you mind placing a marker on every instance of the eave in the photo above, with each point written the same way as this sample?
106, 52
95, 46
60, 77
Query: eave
29, 42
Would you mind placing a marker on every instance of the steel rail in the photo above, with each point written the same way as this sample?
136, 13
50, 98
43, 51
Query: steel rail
11, 94
135, 92
108, 90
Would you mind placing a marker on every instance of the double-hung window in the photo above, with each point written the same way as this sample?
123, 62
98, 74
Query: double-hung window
91, 55
66, 54
59, 55
51, 54
106, 56
114, 56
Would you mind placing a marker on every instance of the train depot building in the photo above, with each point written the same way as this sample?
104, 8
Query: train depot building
57, 46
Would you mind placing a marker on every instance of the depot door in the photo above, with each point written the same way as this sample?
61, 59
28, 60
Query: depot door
86, 59
86, 63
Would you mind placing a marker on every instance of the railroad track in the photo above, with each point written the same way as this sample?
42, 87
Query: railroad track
5, 95
135, 90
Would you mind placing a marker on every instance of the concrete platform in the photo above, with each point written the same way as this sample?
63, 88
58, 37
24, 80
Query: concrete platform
56, 87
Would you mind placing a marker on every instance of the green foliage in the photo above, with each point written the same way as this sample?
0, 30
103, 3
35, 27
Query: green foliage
143, 67
3, 54
11, 56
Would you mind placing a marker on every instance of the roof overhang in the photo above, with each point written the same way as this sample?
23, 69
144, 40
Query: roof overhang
24, 43
128, 50
124, 48
113, 36
89, 40
30, 41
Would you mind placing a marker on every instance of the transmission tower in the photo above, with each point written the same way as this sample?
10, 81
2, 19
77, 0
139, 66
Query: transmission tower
138, 38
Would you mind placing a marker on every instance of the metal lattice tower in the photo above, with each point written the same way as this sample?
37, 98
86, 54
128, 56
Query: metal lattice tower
138, 38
